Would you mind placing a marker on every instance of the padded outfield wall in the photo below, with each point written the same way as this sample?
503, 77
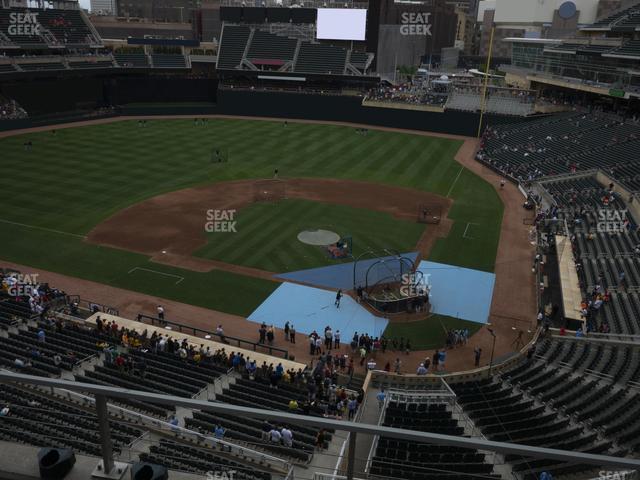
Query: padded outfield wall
68, 99
350, 109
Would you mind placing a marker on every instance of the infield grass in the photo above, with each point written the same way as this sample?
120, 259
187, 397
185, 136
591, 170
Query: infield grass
267, 234
70, 181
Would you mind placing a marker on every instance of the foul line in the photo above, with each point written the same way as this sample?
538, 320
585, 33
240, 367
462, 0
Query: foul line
455, 181
155, 271
9, 222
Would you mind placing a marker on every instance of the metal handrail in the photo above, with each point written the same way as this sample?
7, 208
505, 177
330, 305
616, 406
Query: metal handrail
346, 440
88, 304
163, 426
376, 439
102, 392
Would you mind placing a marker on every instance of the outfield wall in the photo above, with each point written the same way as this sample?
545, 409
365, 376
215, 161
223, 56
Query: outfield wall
65, 100
350, 109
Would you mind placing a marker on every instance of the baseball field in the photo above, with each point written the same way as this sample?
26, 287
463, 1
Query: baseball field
59, 193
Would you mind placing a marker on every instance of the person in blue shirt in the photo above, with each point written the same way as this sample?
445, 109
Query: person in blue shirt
218, 433
352, 406
442, 356
175, 423
381, 397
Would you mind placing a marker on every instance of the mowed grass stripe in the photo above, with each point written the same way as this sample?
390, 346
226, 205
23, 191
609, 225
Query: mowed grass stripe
274, 245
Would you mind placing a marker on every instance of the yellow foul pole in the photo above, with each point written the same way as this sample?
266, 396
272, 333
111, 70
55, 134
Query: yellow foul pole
483, 100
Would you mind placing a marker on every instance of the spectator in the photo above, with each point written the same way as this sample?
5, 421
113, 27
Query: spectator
266, 430
320, 439
477, 352
275, 436
352, 406
175, 423
381, 396
292, 334
397, 365
220, 333
287, 437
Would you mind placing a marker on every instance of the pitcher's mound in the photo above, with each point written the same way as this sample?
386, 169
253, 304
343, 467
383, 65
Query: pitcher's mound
318, 237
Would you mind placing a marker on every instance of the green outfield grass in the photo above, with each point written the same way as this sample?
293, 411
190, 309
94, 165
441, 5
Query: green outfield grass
69, 182
266, 236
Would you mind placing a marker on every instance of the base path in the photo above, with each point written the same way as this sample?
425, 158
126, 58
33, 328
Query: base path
171, 227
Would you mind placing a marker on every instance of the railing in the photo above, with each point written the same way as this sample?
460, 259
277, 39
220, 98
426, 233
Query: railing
89, 305
422, 382
623, 337
376, 439
331, 476
166, 427
346, 441
602, 338
572, 368
101, 393
239, 342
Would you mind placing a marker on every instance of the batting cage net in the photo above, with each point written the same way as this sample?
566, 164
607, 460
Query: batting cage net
429, 213
269, 190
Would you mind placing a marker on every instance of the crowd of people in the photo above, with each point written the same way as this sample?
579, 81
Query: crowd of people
324, 396
412, 93
595, 299
457, 337
26, 290
10, 110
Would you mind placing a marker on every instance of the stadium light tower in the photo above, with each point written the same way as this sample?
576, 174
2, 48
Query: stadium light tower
493, 347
